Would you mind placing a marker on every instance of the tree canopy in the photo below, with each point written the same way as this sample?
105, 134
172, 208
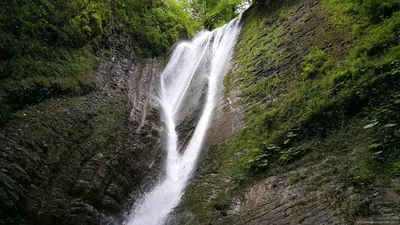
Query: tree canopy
48, 47
214, 13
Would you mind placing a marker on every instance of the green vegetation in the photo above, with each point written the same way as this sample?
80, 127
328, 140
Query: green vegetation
316, 63
215, 13
326, 93
296, 177
311, 94
47, 48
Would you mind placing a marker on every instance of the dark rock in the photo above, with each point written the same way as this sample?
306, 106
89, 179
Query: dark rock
76, 161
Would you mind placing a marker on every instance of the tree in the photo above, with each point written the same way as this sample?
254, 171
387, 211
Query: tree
214, 13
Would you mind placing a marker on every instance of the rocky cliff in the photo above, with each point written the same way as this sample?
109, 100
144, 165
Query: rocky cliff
306, 131
77, 160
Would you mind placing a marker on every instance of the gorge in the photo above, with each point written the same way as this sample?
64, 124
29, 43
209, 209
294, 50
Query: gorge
115, 112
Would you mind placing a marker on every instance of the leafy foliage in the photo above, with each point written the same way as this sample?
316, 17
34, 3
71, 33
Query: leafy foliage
316, 63
215, 13
377, 10
154, 25
47, 46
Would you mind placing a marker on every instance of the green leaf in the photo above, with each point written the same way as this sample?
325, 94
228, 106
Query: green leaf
371, 125
376, 145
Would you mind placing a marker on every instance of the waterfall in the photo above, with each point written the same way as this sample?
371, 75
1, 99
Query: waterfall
207, 55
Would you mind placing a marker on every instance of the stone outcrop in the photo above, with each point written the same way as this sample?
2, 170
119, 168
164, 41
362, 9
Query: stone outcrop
281, 200
310, 194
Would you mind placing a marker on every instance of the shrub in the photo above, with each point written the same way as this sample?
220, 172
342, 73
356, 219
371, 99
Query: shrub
377, 10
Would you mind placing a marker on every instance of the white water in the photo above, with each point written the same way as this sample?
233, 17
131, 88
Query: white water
211, 51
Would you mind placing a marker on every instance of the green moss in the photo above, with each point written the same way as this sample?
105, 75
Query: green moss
227, 83
50, 128
309, 108
29, 80
295, 178
316, 63
312, 103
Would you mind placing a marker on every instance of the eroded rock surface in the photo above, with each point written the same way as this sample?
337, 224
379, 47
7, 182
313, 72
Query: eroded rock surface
279, 200
76, 161
311, 191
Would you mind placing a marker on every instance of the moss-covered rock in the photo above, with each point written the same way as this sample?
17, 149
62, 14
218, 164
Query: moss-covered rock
307, 70
77, 160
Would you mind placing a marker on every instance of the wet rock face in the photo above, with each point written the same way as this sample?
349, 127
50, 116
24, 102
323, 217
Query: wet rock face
76, 161
228, 117
228, 114
278, 200
192, 105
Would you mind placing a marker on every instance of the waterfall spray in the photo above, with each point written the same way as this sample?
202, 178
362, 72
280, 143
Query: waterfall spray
213, 51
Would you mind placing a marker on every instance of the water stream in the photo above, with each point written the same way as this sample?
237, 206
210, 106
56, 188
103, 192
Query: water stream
208, 54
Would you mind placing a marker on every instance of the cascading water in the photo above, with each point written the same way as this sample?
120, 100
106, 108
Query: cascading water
208, 55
